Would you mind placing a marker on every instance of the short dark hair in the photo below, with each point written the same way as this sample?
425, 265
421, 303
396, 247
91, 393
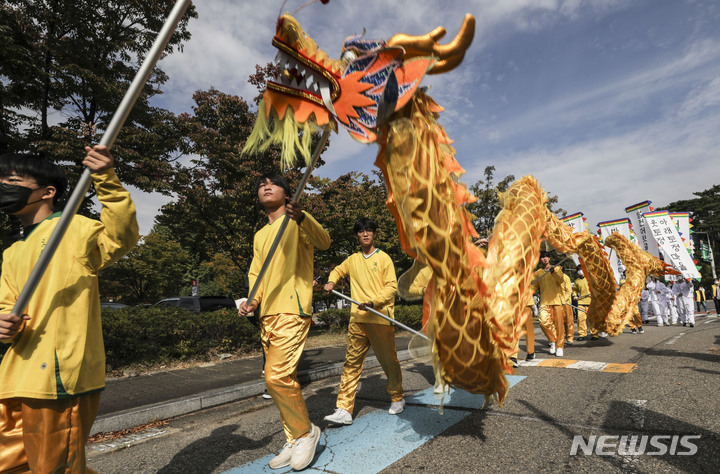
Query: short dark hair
41, 170
544, 253
276, 179
365, 224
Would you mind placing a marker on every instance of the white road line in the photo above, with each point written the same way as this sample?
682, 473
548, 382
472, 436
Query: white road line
674, 339
588, 365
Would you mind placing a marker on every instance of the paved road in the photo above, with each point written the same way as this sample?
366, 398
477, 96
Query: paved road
660, 387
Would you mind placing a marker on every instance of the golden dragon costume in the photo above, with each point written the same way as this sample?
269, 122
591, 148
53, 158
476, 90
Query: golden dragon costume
373, 91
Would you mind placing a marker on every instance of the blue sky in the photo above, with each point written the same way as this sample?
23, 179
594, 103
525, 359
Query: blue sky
607, 103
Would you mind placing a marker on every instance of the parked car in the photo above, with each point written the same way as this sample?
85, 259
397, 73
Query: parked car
197, 304
112, 305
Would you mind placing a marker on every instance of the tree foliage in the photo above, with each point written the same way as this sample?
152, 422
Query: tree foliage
338, 203
216, 214
66, 65
156, 268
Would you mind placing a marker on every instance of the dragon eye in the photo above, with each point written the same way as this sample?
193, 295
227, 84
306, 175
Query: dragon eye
348, 55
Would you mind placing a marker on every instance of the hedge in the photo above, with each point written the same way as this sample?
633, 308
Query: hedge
143, 335
151, 335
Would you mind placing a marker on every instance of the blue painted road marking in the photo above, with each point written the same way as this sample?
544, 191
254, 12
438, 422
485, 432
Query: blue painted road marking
456, 398
376, 440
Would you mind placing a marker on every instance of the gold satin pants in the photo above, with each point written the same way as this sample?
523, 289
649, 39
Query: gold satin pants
360, 337
569, 323
283, 338
552, 323
582, 321
529, 334
41, 436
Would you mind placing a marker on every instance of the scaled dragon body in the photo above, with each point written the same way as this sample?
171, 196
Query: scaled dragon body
373, 91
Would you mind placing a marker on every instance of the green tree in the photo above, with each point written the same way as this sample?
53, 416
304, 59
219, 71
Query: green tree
216, 212
338, 203
65, 66
156, 268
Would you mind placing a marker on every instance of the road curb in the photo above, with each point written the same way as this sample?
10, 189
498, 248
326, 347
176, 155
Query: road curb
159, 411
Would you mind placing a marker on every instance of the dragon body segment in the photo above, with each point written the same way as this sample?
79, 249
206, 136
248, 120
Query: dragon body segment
638, 265
373, 91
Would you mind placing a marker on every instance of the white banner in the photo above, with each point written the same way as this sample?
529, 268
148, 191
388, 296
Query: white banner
666, 235
618, 226
645, 240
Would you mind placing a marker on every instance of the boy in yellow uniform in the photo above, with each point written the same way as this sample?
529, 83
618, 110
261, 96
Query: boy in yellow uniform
582, 289
286, 296
548, 280
52, 375
373, 283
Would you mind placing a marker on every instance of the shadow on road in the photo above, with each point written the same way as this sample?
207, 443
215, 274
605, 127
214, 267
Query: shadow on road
205, 455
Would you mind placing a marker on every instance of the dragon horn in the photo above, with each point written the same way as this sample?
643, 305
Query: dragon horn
449, 55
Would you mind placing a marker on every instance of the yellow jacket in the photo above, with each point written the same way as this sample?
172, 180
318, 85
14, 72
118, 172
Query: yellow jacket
372, 278
288, 282
550, 286
582, 288
421, 281
60, 351
567, 289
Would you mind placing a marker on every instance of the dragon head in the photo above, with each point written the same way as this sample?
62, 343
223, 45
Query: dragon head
371, 80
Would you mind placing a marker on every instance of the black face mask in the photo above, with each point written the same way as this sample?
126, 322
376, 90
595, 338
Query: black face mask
14, 198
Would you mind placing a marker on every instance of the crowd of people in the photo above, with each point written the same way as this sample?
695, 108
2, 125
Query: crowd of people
559, 304
54, 371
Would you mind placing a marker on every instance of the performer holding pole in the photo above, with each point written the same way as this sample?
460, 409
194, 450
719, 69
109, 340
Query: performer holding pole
52, 375
286, 310
107, 141
373, 283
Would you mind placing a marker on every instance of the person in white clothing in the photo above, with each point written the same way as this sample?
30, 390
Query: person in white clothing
657, 304
644, 296
679, 301
662, 301
672, 314
687, 296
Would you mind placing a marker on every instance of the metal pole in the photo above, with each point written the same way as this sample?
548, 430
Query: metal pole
378, 313
549, 271
573, 306
286, 219
107, 140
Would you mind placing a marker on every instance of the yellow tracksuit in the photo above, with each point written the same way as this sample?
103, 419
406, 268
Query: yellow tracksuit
552, 315
285, 297
372, 278
51, 375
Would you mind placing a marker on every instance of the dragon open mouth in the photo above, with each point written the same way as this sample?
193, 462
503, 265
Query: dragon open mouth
301, 77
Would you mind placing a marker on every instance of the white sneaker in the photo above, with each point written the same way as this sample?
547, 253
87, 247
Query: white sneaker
266, 395
552, 348
559, 352
304, 450
340, 417
283, 458
397, 407
438, 390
